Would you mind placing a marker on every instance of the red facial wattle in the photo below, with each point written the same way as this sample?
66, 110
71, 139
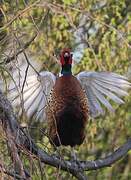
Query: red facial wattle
66, 57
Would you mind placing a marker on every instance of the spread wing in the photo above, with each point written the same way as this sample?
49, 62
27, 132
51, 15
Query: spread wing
31, 94
100, 86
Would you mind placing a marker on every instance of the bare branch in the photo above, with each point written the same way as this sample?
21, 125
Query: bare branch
14, 175
26, 45
109, 159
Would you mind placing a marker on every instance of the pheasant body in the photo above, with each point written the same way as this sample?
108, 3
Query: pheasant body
67, 112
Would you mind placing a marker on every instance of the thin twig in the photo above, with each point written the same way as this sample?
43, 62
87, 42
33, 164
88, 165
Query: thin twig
26, 45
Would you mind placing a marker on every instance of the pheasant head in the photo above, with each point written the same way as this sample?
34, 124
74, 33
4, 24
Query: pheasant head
66, 62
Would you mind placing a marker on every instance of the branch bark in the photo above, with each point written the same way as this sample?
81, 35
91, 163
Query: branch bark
21, 139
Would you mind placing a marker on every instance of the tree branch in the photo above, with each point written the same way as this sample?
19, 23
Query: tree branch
26, 45
21, 139
14, 175
109, 159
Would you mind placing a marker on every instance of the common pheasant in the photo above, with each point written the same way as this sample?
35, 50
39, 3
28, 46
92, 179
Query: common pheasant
67, 101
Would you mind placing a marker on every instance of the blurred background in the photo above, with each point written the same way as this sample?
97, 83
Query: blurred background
32, 34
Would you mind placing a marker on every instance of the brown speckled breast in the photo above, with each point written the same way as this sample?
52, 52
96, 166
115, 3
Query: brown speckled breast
67, 112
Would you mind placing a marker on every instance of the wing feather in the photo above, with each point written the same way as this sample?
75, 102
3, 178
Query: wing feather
115, 89
102, 99
94, 104
34, 95
108, 93
99, 86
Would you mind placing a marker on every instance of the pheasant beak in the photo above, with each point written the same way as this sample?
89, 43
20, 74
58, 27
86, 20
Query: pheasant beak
66, 55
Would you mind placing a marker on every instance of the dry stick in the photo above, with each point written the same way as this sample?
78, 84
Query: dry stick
26, 45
